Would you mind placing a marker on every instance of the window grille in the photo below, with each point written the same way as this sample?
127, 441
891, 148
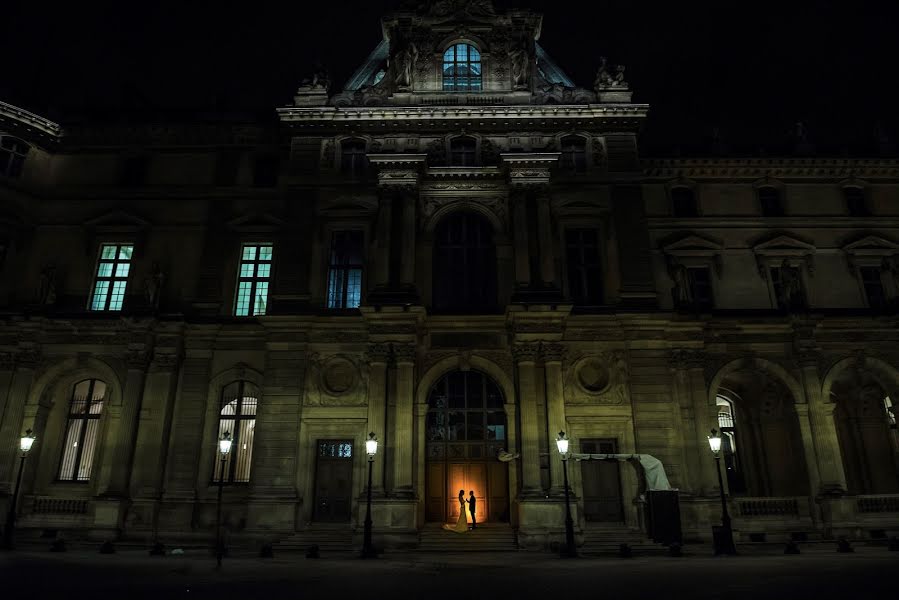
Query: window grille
13, 152
82, 431
253, 280
345, 271
111, 281
237, 416
462, 69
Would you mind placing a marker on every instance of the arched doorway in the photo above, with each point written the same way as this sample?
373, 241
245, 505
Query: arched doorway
465, 429
763, 444
866, 422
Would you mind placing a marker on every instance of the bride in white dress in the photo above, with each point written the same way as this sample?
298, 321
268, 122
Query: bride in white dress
461, 525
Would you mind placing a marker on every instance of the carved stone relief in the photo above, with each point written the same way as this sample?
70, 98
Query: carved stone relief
335, 380
598, 379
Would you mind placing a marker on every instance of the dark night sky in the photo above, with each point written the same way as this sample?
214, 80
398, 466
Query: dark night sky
750, 68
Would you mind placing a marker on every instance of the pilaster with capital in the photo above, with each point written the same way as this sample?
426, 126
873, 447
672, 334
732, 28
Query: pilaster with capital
526, 358
137, 359
404, 355
518, 200
823, 431
26, 362
545, 234
553, 356
689, 373
378, 356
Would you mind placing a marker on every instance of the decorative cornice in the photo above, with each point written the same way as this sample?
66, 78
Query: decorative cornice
404, 353
332, 114
29, 119
525, 353
378, 353
553, 352
755, 168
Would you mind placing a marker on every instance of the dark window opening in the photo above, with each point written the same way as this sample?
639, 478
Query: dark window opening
134, 171
353, 159
574, 154
683, 203
345, 270
700, 281
789, 290
584, 266
265, 171
856, 203
771, 202
463, 152
227, 165
12, 156
872, 281
464, 264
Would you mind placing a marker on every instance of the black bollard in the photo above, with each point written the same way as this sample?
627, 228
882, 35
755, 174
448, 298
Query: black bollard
158, 549
843, 546
312, 552
624, 551
107, 548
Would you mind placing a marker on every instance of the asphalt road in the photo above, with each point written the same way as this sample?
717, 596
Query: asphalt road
37, 575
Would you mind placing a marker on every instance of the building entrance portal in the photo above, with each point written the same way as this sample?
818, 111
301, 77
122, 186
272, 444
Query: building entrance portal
333, 481
466, 428
602, 483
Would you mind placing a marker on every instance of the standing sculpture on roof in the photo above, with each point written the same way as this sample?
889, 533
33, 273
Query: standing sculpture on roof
521, 63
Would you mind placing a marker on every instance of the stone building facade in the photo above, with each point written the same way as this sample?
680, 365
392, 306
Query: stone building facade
462, 252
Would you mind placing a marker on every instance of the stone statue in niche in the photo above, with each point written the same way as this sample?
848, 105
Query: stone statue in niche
404, 60
609, 77
790, 286
521, 63
48, 286
682, 293
153, 286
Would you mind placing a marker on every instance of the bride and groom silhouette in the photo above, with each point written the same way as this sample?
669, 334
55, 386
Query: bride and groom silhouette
461, 525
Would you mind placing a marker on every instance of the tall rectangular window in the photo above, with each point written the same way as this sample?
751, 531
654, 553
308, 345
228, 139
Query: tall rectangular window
873, 284
788, 288
82, 430
345, 269
584, 266
237, 417
253, 280
111, 280
700, 281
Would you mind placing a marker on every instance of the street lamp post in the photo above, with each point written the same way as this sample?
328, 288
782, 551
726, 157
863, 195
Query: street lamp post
371, 448
225, 443
570, 550
25, 443
725, 542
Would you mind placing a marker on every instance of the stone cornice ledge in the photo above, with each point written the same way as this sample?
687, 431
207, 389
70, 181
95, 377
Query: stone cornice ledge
29, 119
560, 111
754, 168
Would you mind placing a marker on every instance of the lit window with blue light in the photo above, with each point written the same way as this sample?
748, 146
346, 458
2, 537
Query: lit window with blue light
113, 269
462, 69
345, 270
253, 280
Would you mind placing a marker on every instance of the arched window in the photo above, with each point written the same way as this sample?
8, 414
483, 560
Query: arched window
353, 160
82, 430
463, 152
237, 416
683, 203
770, 201
727, 424
462, 69
574, 154
12, 155
464, 264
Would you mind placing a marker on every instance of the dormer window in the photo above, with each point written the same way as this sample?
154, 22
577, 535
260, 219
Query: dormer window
463, 152
462, 69
352, 158
574, 154
12, 156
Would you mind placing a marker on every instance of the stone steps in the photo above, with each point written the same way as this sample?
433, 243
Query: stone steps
330, 541
607, 539
486, 538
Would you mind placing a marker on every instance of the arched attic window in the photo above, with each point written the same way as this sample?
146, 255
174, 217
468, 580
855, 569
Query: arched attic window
13, 152
353, 159
462, 69
574, 154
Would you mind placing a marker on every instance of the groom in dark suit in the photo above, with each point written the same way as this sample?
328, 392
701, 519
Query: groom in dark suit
472, 505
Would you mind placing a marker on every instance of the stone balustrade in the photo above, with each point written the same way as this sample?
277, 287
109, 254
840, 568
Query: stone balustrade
60, 506
883, 503
787, 507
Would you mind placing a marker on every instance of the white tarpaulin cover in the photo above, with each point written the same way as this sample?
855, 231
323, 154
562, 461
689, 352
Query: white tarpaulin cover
656, 479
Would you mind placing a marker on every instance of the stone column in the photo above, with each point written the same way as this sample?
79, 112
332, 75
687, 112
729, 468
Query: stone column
832, 478
704, 418
808, 447
547, 252
126, 434
377, 397
520, 235
12, 427
526, 357
553, 355
403, 420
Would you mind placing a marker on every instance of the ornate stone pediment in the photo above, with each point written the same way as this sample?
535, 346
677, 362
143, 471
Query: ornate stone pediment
256, 222
695, 250
871, 245
117, 221
784, 248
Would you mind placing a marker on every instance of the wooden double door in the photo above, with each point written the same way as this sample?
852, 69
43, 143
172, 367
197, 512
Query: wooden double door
488, 480
601, 481
333, 481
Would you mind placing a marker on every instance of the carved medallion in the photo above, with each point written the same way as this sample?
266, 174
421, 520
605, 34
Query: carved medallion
338, 376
